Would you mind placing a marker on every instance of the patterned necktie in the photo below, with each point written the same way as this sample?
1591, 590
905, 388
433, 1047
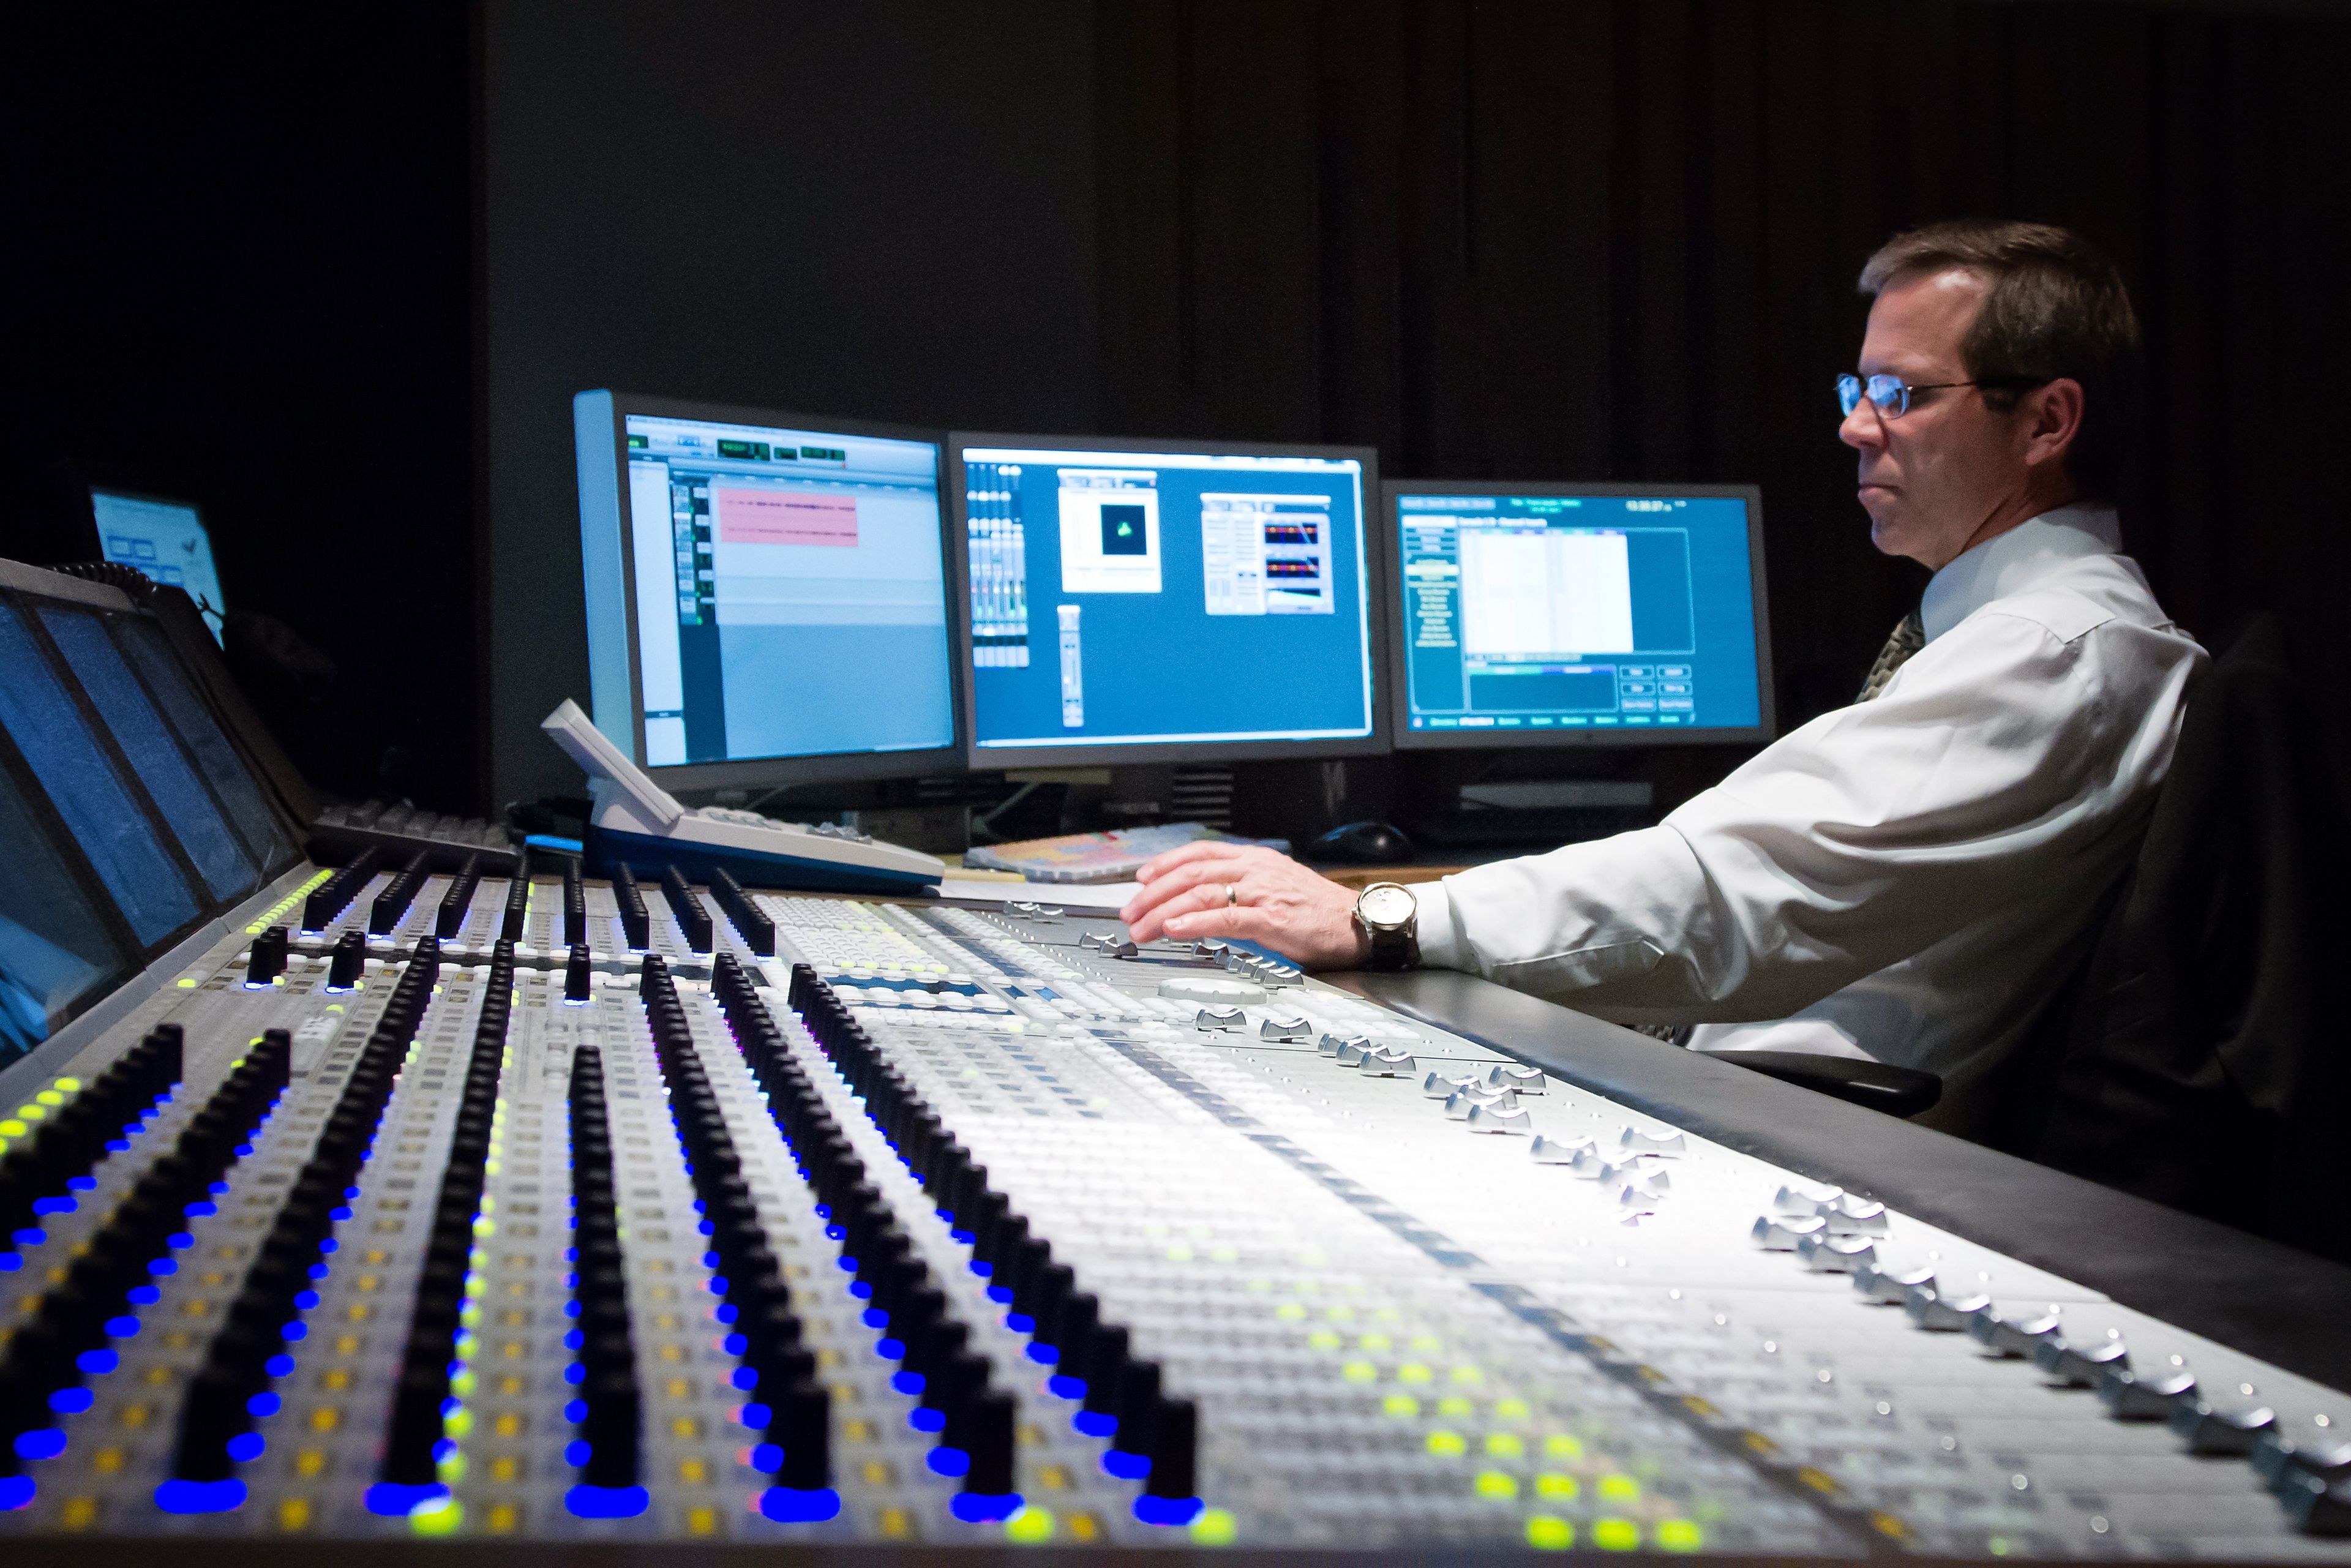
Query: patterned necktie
1908, 639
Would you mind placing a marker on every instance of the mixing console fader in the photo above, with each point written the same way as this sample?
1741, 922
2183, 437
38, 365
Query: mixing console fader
433, 1203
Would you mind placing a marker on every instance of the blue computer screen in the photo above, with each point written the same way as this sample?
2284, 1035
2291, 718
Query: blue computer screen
1550, 614
791, 593
165, 540
1132, 597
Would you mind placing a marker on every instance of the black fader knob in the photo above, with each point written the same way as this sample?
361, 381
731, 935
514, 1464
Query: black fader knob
268, 957
576, 971
344, 965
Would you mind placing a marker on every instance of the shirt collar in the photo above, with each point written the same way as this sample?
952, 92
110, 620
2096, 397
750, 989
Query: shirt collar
2011, 562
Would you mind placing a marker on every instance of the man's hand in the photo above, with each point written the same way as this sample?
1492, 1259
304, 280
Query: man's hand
1211, 889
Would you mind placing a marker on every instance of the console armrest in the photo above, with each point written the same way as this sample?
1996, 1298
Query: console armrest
1897, 1091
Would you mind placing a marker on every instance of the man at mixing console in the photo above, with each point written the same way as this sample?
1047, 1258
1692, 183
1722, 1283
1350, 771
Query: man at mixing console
1907, 878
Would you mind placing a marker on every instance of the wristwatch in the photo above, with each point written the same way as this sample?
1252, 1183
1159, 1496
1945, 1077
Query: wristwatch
1389, 916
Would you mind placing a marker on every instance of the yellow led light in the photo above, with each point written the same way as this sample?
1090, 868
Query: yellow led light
504, 1516
80, 1513
1215, 1527
1497, 1485
1447, 1445
1512, 1409
441, 1516
701, 1520
1548, 1532
1359, 1371
1560, 1445
1290, 1312
1454, 1405
1468, 1375
1680, 1535
1413, 1372
1375, 1342
1616, 1534
1505, 1445
1550, 1483
1029, 1524
1620, 1488
309, 1462
294, 1513
1324, 1339
1401, 1404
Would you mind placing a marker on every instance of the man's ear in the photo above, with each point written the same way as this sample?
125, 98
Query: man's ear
2052, 419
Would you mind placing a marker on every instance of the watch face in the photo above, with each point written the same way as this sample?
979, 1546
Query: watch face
1386, 905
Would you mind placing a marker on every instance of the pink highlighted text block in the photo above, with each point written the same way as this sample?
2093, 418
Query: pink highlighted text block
785, 517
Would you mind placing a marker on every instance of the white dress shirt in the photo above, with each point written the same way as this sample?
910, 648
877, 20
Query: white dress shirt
1906, 879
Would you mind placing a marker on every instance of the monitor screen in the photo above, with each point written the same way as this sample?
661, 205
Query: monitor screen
165, 540
1546, 613
781, 595
1139, 602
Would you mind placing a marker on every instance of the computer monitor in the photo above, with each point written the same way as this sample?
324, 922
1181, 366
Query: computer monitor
165, 540
766, 593
1534, 615
1166, 600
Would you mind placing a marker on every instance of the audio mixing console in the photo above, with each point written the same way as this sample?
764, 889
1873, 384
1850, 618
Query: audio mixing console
446, 1205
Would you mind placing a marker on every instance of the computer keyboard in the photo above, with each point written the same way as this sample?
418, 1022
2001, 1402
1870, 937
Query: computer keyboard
400, 832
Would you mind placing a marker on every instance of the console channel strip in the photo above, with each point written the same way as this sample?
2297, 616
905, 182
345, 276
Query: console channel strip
432, 1204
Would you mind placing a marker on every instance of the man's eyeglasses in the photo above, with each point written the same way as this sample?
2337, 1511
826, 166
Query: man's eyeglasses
1892, 394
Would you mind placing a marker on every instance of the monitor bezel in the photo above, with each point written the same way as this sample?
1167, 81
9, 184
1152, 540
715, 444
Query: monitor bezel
776, 772
1765, 729
1113, 754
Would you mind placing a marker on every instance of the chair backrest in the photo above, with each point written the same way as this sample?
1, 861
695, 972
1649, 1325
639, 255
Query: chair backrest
2198, 1057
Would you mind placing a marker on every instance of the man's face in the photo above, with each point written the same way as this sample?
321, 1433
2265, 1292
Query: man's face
1930, 478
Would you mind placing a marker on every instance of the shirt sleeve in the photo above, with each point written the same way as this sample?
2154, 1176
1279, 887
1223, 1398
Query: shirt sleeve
2001, 751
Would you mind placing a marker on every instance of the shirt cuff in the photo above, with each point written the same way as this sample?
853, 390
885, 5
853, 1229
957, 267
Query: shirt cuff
1441, 947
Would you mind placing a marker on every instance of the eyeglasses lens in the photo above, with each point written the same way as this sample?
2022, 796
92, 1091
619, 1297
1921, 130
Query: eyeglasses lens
1888, 393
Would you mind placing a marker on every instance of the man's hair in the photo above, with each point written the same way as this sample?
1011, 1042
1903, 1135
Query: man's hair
2053, 306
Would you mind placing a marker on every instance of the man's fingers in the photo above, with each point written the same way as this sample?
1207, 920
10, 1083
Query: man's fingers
1248, 925
1158, 866
1185, 901
1178, 881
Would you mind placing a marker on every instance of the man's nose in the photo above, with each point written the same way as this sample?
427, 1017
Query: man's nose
1864, 428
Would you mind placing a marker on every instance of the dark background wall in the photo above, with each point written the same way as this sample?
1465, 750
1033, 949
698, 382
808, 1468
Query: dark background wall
341, 288
883, 209
244, 258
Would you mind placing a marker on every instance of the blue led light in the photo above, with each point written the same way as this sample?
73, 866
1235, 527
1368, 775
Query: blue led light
218, 1189
861, 1290
177, 1496
1166, 1510
40, 1443
846, 1265
16, 1491
1043, 1355
890, 1349
264, 1404
767, 1459
10, 1262
571, 1308
945, 1462
922, 1418
296, 1330
179, 1241
575, 1410
791, 1505
82, 1183
123, 1327
1065, 1388
725, 1313
736, 1345
117, 1145
305, 1300
742, 1376
142, 1295
162, 1266
965, 1237
871, 1317
203, 1208
1126, 1467
574, 1340
393, 1500
246, 1445
53, 1206
576, 1452
977, 1508
907, 1382
1094, 1425
318, 1270
340, 1213
330, 1245
1018, 1323
31, 1236
278, 1365
574, 1374
754, 1416
982, 1269
70, 1401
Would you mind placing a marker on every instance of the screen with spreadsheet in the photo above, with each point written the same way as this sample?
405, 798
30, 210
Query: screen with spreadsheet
786, 590
1126, 599
1528, 614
